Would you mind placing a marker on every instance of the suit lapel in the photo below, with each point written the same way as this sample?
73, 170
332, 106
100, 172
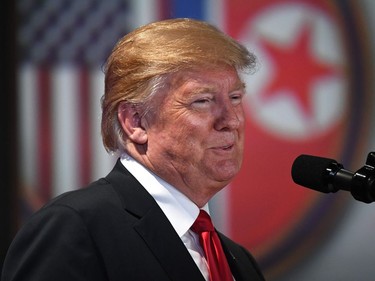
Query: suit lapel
154, 227
241, 263
164, 242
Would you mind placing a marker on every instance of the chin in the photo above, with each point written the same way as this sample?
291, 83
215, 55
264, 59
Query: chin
223, 171
226, 175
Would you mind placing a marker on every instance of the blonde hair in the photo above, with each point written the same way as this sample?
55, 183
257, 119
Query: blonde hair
141, 61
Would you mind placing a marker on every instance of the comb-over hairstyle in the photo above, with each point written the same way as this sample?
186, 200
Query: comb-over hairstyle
142, 60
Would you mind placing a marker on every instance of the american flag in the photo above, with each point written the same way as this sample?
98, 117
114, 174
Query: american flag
63, 45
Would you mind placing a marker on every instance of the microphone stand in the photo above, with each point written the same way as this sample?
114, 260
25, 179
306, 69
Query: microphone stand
363, 181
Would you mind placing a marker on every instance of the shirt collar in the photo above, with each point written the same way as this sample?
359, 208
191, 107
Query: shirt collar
179, 209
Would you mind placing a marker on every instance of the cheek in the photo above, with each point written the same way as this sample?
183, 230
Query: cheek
189, 141
180, 134
188, 149
178, 141
189, 129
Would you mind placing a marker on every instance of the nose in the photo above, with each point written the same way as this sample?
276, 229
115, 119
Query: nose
229, 117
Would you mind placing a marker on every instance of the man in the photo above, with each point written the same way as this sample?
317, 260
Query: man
173, 109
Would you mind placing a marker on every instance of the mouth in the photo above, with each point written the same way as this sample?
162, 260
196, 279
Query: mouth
224, 144
227, 147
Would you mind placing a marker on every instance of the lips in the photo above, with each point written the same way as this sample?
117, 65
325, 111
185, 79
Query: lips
227, 147
224, 147
224, 143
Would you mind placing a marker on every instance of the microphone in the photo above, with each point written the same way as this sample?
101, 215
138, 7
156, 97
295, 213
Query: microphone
328, 176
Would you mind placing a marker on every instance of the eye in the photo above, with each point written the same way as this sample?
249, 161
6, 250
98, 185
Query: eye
202, 102
236, 98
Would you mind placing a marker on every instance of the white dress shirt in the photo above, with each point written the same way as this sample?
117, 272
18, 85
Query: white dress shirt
179, 209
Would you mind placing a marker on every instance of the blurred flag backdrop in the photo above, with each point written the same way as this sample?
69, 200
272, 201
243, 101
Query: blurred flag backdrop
311, 94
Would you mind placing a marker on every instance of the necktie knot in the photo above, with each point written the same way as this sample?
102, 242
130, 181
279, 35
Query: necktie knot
203, 223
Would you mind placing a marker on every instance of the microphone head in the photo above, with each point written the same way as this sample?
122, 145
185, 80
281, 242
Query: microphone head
312, 172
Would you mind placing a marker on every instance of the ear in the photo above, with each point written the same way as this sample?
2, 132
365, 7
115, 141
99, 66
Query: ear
130, 122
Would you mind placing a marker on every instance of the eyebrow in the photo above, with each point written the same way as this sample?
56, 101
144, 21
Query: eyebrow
211, 89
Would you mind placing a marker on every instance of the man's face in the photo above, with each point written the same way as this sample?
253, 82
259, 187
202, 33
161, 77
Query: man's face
196, 139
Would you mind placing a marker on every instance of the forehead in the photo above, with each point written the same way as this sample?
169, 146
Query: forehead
208, 78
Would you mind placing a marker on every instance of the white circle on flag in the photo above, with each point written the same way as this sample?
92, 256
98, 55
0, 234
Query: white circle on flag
281, 107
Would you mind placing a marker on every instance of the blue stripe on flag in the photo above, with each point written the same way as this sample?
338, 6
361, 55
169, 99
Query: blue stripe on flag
188, 9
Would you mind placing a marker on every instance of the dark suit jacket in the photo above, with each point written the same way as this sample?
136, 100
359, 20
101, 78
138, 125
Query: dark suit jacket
111, 230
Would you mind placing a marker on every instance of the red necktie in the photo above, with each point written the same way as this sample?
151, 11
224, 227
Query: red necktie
217, 262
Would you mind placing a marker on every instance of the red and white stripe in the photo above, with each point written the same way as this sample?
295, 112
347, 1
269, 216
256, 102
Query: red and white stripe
61, 146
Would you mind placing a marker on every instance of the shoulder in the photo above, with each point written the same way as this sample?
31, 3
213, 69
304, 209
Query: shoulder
75, 216
98, 192
58, 233
91, 204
